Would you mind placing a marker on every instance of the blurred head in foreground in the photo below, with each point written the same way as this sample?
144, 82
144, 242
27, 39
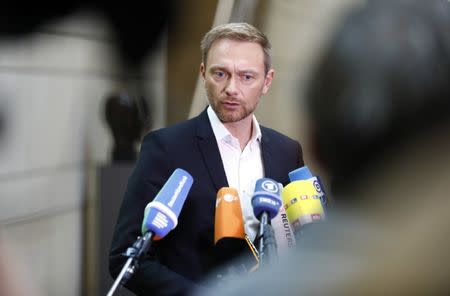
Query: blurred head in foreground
381, 88
379, 103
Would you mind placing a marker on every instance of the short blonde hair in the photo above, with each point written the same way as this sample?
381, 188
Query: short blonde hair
240, 32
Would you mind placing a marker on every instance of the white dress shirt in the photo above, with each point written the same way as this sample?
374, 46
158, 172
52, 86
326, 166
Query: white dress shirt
242, 167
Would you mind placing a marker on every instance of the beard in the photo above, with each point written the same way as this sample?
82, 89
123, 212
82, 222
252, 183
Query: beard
226, 115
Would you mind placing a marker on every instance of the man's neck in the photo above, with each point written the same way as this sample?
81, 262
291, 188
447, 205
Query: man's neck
242, 130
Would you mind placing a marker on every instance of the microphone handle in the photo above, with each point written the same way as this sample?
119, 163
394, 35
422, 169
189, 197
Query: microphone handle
267, 242
262, 225
270, 246
134, 254
122, 278
146, 242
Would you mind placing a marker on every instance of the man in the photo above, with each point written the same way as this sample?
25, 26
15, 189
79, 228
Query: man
222, 147
380, 105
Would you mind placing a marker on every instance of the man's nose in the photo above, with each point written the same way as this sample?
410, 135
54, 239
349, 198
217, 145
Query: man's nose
231, 87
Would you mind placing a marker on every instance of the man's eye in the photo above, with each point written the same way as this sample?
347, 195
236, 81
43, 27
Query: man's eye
219, 74
247, 77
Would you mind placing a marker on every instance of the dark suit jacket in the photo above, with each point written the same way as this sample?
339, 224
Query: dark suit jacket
185, 256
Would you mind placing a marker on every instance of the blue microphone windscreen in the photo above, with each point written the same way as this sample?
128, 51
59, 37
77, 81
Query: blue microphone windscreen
299, 174
175, 190
161, 214
266, 198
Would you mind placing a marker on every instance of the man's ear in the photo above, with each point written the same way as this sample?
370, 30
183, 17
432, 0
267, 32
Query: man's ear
268, 81
202, 71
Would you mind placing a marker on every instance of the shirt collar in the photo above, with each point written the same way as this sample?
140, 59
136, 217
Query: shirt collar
221, 132
256, 130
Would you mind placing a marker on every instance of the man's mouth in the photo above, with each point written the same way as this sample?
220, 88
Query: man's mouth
230, 104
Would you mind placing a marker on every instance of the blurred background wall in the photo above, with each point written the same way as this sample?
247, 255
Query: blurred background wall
53, 137
53, 86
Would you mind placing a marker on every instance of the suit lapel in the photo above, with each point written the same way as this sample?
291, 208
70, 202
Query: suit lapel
210, 151
272, 161
267, 155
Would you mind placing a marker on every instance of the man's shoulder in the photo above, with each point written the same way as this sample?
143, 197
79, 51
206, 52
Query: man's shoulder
178, 127
178, 131
171, 131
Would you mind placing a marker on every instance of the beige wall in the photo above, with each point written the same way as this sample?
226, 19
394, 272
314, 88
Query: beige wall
52, 87
298, 31
194, 18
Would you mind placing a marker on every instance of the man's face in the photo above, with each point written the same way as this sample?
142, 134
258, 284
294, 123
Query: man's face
234, 78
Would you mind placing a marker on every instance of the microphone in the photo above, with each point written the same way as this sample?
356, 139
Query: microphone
229, 222
284, 234
302, 199
304, 173
229, 236
160, 217
266, 203
161, 214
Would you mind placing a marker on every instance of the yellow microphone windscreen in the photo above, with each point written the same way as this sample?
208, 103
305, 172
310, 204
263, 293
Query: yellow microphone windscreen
302, 203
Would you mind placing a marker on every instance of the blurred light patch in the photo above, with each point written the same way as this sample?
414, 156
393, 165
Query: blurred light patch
3, 125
